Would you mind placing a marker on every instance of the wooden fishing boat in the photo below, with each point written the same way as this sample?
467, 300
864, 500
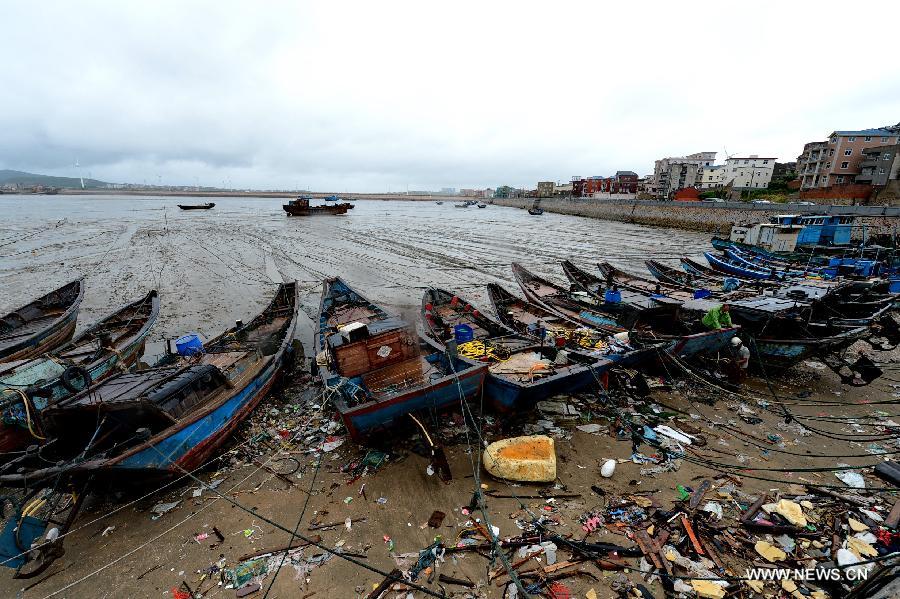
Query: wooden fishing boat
143, 425
781, 333
111, 345
653, 324
611, 295
527, 318
378, 369
521, 369
725, 266
42, 325
781, 271
205, 206
164, 421
301, 207
655, 289
699, 280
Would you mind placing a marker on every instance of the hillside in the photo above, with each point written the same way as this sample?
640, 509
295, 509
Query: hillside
23, 179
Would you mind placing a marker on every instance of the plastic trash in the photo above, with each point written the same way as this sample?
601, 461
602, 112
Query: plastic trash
608, 468
851, 478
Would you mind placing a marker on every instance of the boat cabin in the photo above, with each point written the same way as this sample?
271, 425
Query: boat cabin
361, 347
774, 237
819, 229
132, 406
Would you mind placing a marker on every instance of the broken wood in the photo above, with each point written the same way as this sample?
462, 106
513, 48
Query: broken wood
753, 509
294, 544
500, 570
457, 581
894, 517
496, 495
850, 498
697, 497
393, 576
643, 541
334, 524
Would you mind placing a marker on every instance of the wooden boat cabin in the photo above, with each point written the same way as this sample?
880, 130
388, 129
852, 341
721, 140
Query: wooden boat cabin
358, 348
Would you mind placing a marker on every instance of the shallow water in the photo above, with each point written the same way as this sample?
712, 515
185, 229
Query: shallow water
213, 267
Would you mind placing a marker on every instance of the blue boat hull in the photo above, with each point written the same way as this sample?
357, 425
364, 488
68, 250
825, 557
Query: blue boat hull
733, 269
190, 446
364, 420
703, 343
508, 396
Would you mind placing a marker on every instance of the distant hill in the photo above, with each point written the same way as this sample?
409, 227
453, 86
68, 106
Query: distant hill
8, 177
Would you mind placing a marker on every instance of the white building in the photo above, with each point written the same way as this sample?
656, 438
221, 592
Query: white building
750, 172
711, 176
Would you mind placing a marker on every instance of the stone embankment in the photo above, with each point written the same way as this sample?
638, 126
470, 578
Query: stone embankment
703, 216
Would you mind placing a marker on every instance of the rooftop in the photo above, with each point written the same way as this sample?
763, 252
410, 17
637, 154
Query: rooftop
882, 132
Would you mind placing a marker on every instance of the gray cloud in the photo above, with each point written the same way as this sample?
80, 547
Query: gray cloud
367, 96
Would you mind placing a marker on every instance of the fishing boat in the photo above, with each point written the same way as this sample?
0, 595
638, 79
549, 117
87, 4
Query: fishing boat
302, 207
378, 370
205, 206
159, 422
612, 296
527, 318
42, 325
653, 323
728, 267
111, 345
655, 289
780, 271
536, 209
522, 369
694, 279
781, 333
163, 421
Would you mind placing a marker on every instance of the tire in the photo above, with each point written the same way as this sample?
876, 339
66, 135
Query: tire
73, 375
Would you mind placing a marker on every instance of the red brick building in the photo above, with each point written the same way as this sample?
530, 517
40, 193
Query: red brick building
621, 182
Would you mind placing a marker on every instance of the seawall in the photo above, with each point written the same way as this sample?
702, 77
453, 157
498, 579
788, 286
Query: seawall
703, 216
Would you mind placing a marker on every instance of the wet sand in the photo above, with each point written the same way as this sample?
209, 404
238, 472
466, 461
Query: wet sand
213, 267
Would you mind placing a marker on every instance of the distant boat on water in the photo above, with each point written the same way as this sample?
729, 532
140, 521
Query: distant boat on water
301, 207
205, 206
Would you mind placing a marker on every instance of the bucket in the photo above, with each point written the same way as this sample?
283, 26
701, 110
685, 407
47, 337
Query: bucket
463, 333
702, 293
612, 297
189, 345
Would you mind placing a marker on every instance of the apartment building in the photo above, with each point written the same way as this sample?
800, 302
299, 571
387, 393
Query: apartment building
747, 172
837, 161
879, 165
677, 172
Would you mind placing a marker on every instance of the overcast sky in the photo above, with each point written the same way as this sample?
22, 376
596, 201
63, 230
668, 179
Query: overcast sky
371, 96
